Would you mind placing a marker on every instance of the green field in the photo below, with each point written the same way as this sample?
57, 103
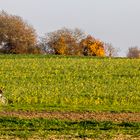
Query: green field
58, 129
45, 83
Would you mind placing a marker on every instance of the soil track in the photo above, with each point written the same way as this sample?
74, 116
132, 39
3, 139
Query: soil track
75, 116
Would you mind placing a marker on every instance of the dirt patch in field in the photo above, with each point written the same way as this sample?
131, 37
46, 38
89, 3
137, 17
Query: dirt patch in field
74, 116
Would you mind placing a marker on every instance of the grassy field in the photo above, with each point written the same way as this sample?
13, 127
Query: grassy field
41, 83
70, 83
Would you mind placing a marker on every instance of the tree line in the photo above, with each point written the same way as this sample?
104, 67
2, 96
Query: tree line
19, 37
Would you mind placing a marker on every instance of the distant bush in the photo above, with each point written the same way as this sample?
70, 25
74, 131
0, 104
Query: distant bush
133, 52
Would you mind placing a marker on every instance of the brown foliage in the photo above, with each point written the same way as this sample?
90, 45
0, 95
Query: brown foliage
63, 42
16, 36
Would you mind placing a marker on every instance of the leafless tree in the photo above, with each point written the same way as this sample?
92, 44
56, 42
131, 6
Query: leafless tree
133, 52
110, 51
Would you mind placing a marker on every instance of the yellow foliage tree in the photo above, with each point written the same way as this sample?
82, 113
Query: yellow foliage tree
93, 47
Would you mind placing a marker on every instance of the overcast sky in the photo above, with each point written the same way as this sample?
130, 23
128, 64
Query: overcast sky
113, 21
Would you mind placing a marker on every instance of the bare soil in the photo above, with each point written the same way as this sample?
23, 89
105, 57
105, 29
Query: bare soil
76, 116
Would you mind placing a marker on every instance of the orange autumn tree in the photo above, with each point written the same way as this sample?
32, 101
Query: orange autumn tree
92, 47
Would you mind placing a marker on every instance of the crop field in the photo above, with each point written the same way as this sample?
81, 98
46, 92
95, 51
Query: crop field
39, 83
74, 84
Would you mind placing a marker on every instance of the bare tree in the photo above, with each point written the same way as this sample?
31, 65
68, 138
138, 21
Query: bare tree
110, 51
133, 52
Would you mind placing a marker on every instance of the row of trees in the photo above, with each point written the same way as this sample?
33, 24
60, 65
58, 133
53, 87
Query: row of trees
72, 42
18, 37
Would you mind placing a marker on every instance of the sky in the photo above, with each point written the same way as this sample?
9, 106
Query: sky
112, 21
